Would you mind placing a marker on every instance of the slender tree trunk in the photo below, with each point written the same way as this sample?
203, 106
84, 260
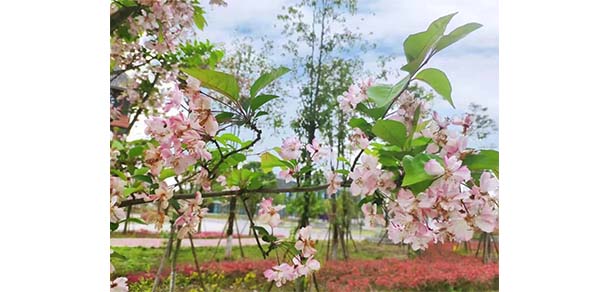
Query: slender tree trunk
230, 224
168, 251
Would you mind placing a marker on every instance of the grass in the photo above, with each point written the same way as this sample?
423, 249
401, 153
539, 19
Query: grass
147, 259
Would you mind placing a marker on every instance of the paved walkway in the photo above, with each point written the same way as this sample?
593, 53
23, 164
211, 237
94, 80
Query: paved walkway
160, 242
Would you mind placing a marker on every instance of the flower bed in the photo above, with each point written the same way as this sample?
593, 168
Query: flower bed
436, 269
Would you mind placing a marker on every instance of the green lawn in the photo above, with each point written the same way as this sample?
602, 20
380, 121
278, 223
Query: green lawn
147, 259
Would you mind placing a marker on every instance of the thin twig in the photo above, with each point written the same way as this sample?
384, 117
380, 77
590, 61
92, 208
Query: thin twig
260, 247
172, 281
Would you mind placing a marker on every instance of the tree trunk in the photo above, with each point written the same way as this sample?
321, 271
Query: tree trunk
230, 225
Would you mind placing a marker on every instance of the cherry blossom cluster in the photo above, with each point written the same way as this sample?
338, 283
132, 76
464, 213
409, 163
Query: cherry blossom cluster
191, 214
269, 214
291, 150
354, 95
453, 206
117, 187
178, 130
368, 177
303, 264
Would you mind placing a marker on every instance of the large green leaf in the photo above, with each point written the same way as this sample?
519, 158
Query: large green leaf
484, 160
393, 132
260, 100
218, 81
165, 173
375, 113
383, 94
269, 161
414, 169
417, 46
267, 78
456, 35
360, 123
380, 94
438, 81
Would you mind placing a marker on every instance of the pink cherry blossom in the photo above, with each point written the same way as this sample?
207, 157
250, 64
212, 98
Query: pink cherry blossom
334, 182
304, 242
371, 218
386, 182
358, 139
488, 183
460, 229
432, 167
310, 266
119, 285
351, 99
287, 175
116, 214
316, 151
281, 274
268, 214
486, 220
290, 148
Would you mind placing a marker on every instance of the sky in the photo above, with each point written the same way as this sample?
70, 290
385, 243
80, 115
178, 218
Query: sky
470, 64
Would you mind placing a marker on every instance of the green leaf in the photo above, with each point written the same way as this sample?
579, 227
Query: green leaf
420, 186
260, 230
269, 161
114, 226
119, 174
144, 178
417, 46
380, 94
414, 169
223, 83
343, 171
129, 191
383, 94
141, 171
366, 199
226, 137
165, 173
375, 113
135, 151
198, 18
260, 100
456, 35
393, 132
117, 145
224, 116
484, 160
438, 81
260, 114
134, 220
266, 78
269, 238
360, 123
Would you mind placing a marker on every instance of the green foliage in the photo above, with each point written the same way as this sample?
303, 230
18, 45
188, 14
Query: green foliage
484, 160
218, 81
438, 81
362, 124
418, 46
267, 78
269, 161
393, 132
260, 100
456, 35
414, 169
